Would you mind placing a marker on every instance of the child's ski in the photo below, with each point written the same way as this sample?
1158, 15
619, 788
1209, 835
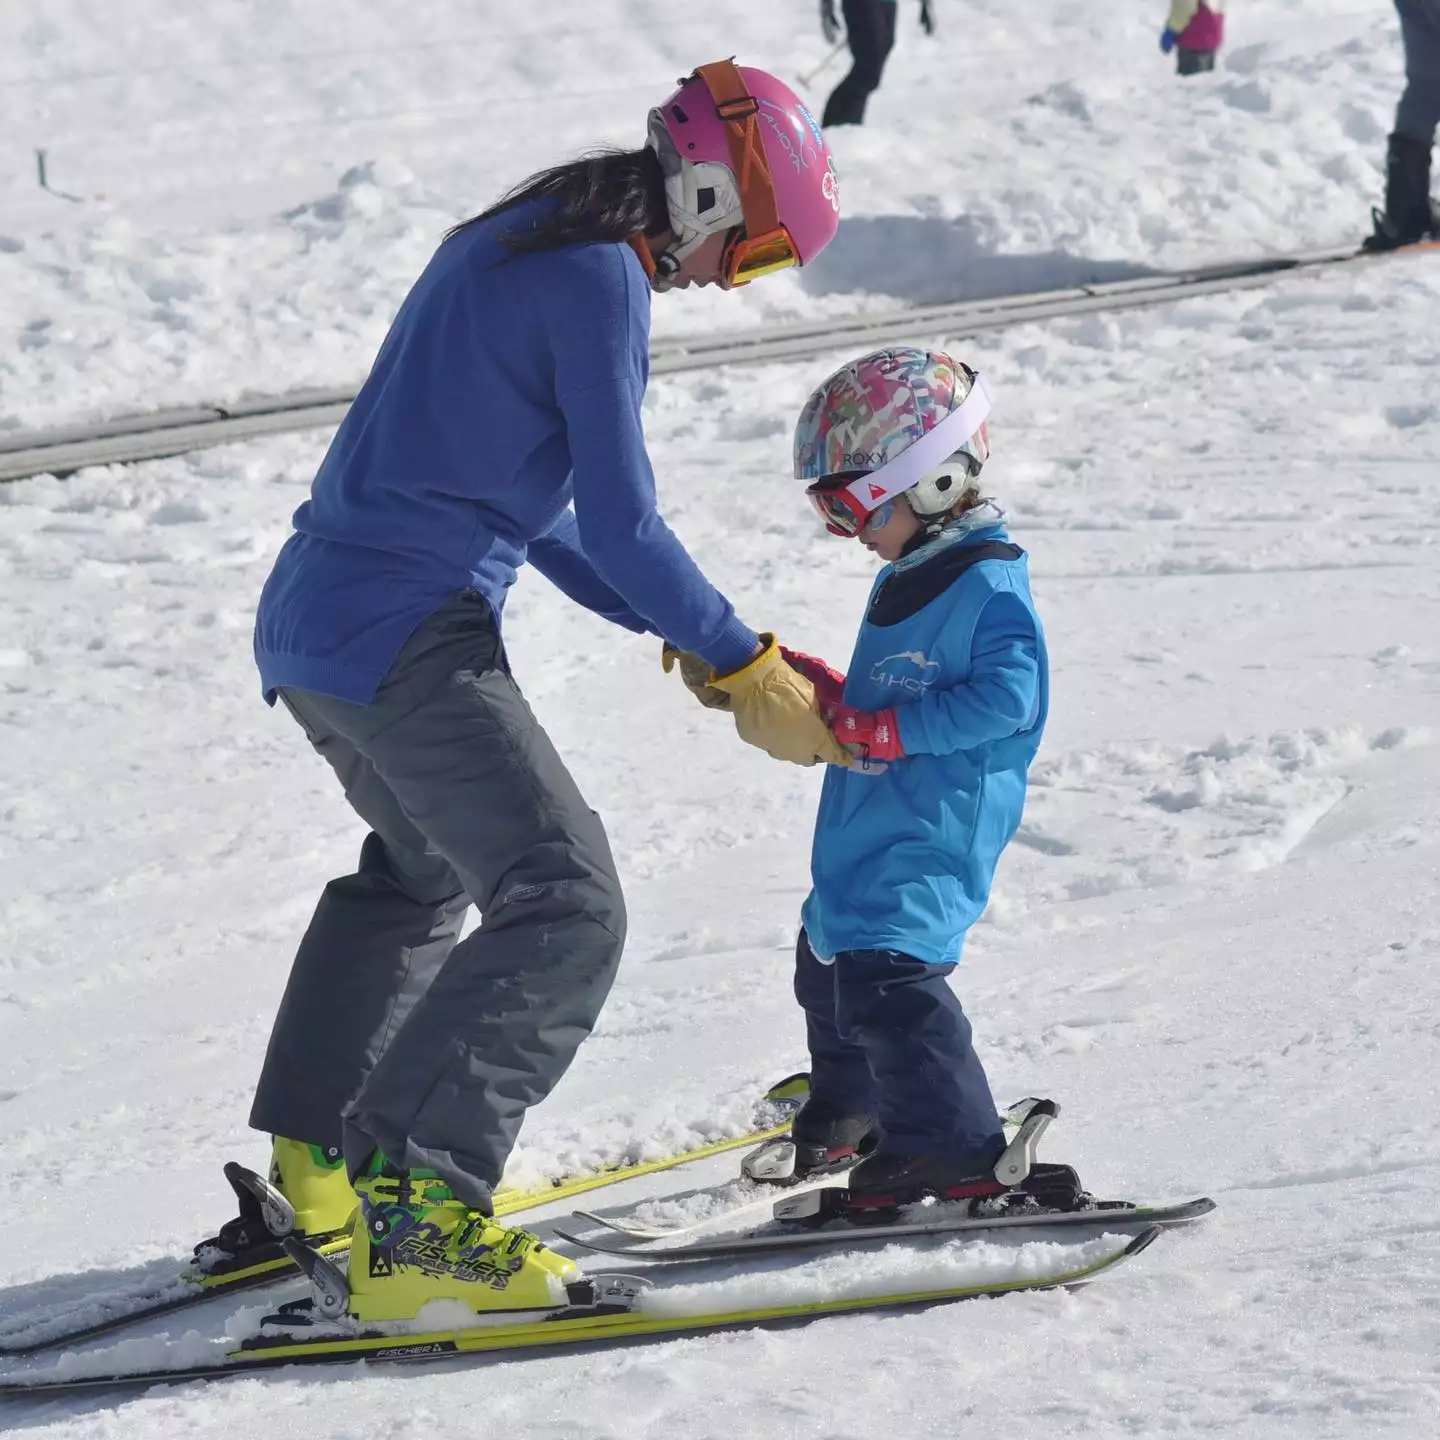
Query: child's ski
1106, 1216
726, 1203
756, 1189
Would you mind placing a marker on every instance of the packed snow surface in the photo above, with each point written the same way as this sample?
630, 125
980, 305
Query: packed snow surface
1215, 939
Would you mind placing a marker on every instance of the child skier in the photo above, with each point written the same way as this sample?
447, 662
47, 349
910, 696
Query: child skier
1194, 31
943, 707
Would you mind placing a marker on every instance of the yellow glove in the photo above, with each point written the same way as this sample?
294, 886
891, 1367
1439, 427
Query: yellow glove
695, 672
774, 709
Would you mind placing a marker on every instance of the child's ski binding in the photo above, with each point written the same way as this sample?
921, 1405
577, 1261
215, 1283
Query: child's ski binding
1016, 1183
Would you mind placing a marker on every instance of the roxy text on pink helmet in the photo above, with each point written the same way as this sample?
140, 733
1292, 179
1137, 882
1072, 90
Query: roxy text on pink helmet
741, 151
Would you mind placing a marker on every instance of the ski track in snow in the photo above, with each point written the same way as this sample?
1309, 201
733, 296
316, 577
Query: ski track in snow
1215, 939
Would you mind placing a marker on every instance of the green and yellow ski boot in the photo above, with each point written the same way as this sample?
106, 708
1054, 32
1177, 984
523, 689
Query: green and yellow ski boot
313, 1179
416, 1242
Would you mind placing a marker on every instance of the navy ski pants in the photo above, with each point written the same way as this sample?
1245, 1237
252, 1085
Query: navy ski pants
870, 29
888, 1038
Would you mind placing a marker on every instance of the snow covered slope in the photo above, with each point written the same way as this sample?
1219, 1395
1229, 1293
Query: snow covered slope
261, 184
1216, 939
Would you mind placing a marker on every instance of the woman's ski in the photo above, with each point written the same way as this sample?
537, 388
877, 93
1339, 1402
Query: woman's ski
184, 1287
621, 1313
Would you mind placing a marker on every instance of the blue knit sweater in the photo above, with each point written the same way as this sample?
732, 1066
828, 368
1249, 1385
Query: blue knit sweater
500, 424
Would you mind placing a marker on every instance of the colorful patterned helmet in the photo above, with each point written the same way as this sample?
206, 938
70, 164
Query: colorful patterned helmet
902, 421
740, 149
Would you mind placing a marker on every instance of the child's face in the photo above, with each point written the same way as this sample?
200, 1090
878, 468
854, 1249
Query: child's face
890, 529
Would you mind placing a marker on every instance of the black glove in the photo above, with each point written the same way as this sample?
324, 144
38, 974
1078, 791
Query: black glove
927, 20
829, 25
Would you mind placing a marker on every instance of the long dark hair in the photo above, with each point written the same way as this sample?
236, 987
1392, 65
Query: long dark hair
604, 195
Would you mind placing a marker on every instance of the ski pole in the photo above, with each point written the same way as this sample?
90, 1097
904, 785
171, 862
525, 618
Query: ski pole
809, 75
44, 179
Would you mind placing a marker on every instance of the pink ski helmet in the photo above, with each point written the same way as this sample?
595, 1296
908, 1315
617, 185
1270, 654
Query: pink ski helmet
740, 151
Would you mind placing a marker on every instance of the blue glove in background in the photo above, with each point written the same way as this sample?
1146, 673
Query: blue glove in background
1167, 40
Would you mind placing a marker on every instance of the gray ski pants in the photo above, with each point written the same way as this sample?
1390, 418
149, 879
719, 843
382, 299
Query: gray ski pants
432, 1051
1418, 113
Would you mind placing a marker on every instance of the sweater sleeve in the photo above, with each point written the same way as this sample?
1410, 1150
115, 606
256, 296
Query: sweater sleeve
1182, 12
601, 339
1000, 697
558, 556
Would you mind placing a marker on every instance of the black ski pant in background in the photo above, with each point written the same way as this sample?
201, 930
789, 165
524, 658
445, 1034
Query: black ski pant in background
1418, 113
870, 30
390, 1031
888, 1038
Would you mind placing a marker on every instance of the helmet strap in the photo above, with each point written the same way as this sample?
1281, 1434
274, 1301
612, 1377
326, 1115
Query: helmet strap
920, 538
930, 525
648, 259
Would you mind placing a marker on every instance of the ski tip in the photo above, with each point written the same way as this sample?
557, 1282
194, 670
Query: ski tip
792, 1087
1193, 1209
561, 1233
1142, 1241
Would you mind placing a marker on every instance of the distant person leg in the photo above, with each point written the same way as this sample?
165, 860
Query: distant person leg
1418, 114
870, 29
1409, 214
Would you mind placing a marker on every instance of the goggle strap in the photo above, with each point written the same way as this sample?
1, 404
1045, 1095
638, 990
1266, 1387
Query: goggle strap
931, 449
737, 110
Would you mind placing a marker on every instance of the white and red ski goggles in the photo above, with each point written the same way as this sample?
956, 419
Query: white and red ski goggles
846, 501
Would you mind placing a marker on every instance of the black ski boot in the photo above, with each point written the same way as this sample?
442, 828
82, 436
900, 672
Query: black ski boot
879, 1186
826, 1141
821, 1141
885, 1182
1409, 215
1007, 1182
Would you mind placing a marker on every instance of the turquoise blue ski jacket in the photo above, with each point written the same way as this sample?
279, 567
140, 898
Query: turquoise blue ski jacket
904, 854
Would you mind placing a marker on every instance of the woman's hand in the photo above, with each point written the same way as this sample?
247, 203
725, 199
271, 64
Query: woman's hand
695, 672
829, 684
774, 709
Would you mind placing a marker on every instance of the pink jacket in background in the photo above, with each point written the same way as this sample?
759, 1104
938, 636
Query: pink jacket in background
1200, 24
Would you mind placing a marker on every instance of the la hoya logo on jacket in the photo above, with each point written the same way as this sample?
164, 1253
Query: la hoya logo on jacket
908, 670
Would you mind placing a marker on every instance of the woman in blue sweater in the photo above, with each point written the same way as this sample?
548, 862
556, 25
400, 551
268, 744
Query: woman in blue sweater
500, 425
